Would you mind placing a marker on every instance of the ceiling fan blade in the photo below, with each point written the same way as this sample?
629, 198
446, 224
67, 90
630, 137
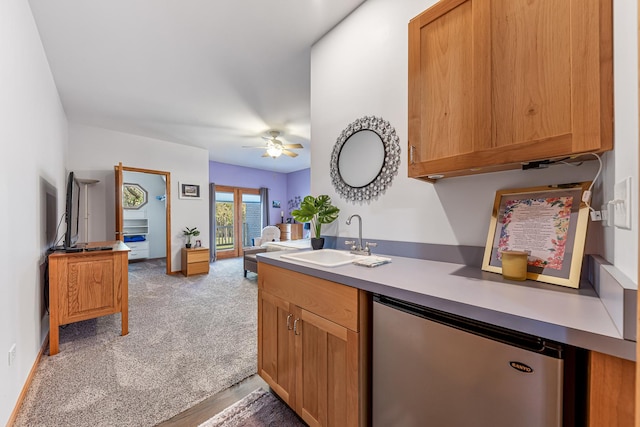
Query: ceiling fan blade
252, 146
289, 153
292, 146
266, 154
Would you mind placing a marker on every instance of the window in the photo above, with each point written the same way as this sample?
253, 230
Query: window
133, 196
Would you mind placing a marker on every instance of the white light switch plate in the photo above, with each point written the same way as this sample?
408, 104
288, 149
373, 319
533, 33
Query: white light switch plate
622, 206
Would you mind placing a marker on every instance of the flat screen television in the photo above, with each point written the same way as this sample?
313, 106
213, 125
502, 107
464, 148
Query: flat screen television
72, 212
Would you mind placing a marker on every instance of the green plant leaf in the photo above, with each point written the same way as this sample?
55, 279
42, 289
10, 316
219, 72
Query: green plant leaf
317, 211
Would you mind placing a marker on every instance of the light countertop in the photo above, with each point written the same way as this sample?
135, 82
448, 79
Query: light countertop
572, 316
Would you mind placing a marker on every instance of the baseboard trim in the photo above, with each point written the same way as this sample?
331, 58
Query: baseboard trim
27, 384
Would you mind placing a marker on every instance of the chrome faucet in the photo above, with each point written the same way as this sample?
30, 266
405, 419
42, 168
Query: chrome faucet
359, 249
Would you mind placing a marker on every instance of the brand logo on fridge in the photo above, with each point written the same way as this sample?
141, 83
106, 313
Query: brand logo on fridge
521, 367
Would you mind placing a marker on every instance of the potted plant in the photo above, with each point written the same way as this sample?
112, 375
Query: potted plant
317, 211
190, 232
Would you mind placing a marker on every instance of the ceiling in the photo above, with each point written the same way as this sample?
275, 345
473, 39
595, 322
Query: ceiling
206, 73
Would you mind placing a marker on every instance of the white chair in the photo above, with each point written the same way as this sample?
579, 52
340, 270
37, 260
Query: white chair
270, 233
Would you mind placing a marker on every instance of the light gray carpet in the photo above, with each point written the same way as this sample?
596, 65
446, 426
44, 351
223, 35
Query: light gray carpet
189, 338
258, 409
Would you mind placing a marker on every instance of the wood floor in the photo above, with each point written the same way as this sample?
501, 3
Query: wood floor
215, 404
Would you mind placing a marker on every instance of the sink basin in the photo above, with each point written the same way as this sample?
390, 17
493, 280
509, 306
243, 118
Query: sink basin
323, 257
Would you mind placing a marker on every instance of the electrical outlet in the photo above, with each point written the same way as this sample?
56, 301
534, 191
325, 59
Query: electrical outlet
622, 204
12, 354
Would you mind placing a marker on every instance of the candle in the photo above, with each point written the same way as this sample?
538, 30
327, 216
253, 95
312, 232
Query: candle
281, 214
514, 265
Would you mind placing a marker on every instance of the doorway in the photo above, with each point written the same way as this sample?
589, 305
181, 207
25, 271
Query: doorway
238, 219
139, 196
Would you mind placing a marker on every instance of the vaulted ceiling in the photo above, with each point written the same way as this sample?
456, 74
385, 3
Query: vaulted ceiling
215, 74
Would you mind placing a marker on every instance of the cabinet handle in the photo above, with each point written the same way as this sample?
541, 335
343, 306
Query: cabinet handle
412, 150
295, 327
289, 322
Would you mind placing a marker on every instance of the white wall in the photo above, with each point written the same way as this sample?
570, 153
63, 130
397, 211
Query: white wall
625, 77
33, 135
360, 68
93, 152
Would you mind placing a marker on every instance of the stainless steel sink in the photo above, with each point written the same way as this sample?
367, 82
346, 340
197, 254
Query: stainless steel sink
323, 257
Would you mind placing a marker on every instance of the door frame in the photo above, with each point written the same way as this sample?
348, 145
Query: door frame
119, 169
237, 218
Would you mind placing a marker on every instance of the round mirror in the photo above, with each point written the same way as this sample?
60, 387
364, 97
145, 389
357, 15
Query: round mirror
353, 170
365, 159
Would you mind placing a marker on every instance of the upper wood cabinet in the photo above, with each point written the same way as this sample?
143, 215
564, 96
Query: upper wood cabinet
495, 83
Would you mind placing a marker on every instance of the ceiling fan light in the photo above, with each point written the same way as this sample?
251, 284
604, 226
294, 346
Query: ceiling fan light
274, 151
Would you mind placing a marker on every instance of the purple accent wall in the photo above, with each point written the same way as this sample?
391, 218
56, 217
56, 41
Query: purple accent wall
298, 184
278, 183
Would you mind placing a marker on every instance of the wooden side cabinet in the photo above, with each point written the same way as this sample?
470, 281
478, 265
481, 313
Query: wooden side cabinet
313, 346
87, 284
611, 391
195, 261
290, 231
493, 84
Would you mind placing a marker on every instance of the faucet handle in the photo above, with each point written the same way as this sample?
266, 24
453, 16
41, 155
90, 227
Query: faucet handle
370, 244
351, 244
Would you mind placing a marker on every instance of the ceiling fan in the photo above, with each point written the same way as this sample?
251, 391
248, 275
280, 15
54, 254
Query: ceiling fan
274, 147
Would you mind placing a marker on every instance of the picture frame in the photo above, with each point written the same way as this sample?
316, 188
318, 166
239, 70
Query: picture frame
189, 191
547, 222
275, 204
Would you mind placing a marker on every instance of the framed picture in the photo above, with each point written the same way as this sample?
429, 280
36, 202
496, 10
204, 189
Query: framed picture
189, 191
549, 223
275, 204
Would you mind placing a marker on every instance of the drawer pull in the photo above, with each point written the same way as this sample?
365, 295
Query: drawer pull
289, 322
295, 327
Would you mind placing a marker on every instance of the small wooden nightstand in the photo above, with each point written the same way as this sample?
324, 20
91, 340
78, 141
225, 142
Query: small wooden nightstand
195, 261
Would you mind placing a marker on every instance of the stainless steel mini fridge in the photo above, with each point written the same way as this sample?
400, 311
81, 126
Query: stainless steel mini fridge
431, 368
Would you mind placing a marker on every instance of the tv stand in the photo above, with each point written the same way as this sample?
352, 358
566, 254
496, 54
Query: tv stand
87, 284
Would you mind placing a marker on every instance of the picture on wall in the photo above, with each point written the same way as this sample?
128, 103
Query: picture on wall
275, 204
549, 223
189, 191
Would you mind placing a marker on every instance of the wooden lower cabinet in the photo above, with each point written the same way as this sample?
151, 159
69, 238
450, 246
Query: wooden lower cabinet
313, 346
325, 379
611, 391
276, 347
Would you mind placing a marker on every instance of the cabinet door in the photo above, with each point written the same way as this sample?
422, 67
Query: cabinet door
495, 83
327, 371
276, 345
89, 287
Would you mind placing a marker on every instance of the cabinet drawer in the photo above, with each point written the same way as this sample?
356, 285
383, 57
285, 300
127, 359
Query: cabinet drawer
139, 253
138, 246
197, 268
199, 256
332, 301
